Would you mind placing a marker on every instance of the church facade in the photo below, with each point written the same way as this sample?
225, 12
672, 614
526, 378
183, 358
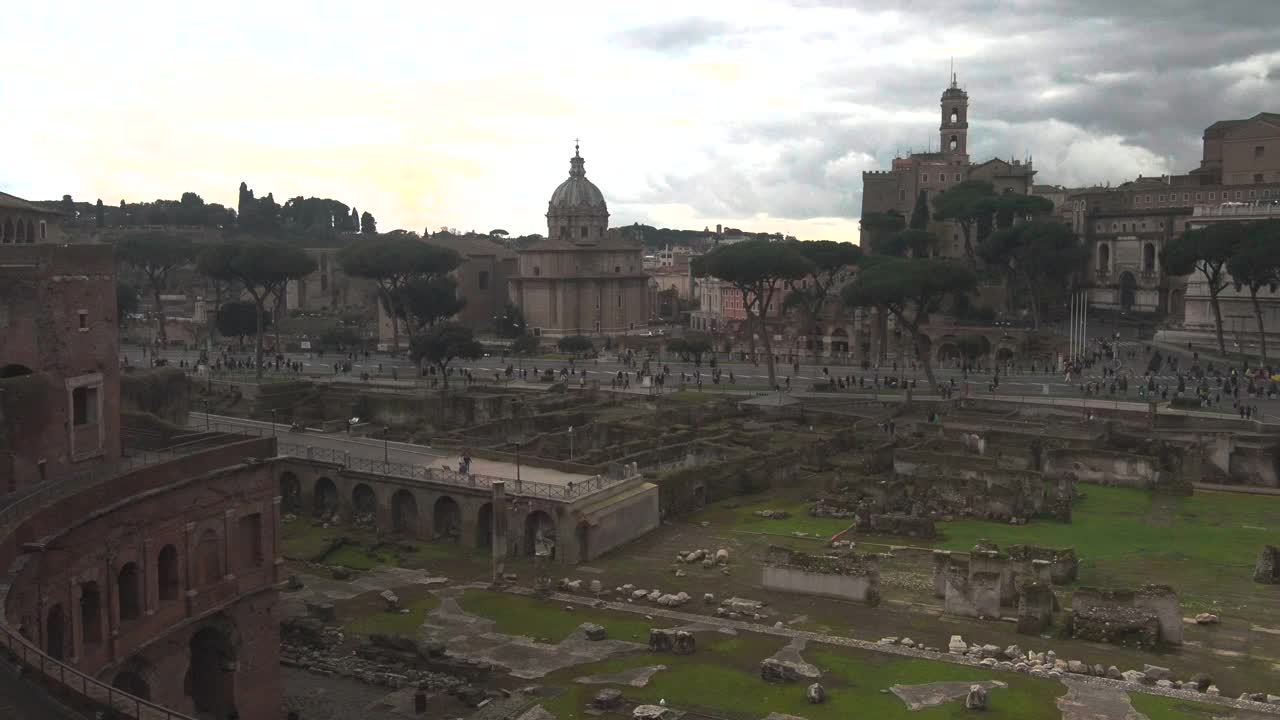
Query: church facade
933, 173
578, 280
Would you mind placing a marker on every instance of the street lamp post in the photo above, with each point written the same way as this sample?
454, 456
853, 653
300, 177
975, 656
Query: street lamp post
571, 442
206, 416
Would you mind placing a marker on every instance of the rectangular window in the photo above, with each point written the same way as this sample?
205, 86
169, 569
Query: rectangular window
924, 178
1251, 194
1259, 151
482, 279
84, 405
957, 177
1199, 197
619, 301
1238, 194
902, 194
83, 316
251, 540
1186, 197
1161, 198
1213, 195
1257, 177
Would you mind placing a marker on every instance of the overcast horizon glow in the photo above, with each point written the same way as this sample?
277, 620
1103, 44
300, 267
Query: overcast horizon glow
756, 114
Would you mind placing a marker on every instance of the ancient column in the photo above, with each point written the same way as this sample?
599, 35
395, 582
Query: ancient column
498, 540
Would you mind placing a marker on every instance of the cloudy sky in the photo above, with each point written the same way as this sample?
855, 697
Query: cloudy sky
756, 114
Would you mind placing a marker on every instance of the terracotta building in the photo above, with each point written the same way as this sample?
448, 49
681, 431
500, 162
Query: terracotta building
579, 280
933, 173
25, 223
482, 278
154, 577
59, 361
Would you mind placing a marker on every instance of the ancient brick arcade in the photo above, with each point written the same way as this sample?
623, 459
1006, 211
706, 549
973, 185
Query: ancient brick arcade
147, 582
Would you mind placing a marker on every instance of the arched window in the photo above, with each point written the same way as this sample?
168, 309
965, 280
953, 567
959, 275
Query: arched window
22, 232
8, 230
130, 589
537, 271
1104, 257
210, 554
44, 230
955, 142
90, 613
1148, 258
167, 573
955, 116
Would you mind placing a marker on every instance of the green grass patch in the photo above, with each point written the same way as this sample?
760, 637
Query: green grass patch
388, 623
301, 541
521, 615
1203, 545
744, 517
359, 558
1163, 708
722, 679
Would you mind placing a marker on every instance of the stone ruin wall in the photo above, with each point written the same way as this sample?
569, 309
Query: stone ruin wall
851, 576
1142, 618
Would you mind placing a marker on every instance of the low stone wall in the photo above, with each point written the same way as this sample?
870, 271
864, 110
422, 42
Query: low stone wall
853, 577
1124, 616
971, 485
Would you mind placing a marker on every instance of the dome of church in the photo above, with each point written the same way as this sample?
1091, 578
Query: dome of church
577, 193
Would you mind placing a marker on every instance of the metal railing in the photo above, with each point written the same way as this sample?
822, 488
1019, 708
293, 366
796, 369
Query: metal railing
17, 506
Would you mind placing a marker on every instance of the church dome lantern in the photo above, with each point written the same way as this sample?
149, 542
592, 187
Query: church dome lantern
577, 211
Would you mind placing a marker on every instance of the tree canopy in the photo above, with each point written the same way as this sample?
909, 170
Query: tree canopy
877, 228
126, 302
261, 267
368, 225
394, 262
241, 318
758, 269
443, 344
911, 290
1207, 250
155, 255
1256, 265
831, 266
690, 348
575, 345
971, 205
1039, 257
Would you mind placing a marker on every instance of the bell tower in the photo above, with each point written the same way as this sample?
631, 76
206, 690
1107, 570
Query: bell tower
955, 120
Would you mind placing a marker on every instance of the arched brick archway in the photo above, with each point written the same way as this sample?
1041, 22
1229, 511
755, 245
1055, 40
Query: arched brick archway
132, 683
363, 501
484, 526
290, 492
55, 632
326, 497
538, 524
404, 512
90, 613
446, 519
129, 592
210, 686
949, 353
167, 573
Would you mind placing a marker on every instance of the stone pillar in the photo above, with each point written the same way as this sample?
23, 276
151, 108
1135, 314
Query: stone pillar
150, 579
228, 544
277, 559
498, 538
188, 563
112, 597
